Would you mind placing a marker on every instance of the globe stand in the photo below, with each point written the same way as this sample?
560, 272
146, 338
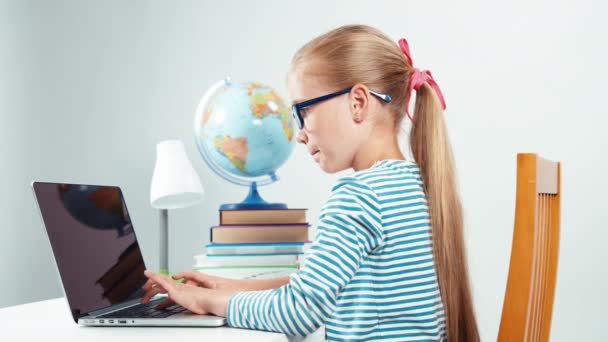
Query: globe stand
253, 201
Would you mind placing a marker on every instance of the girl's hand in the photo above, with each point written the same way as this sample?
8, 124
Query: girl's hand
197, 278
197, 299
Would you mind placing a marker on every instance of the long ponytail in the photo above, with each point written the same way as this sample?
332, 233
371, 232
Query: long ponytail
432, 151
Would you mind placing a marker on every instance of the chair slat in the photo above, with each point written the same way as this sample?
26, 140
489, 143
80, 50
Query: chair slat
529, 295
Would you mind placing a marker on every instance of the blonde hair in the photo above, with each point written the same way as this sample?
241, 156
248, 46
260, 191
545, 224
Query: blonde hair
355, 54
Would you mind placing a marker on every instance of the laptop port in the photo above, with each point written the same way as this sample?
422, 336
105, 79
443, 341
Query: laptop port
101, 321
110, 321
122, 321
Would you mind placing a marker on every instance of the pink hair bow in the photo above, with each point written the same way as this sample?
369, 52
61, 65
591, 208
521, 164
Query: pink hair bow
418, 78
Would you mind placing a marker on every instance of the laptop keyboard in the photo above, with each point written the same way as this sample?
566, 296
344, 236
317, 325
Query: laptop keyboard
146, 311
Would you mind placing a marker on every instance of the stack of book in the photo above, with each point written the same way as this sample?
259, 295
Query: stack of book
255, 243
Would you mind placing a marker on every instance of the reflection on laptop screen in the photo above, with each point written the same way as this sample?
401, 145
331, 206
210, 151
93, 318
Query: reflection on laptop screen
94, 244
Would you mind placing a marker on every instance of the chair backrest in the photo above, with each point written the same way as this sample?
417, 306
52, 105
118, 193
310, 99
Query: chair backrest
528, 303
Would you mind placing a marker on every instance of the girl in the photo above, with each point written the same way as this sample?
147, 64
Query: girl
388, 261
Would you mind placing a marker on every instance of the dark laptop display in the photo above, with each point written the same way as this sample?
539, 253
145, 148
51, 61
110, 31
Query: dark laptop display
98, 257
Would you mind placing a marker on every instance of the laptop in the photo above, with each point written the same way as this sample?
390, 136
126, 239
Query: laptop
99, 261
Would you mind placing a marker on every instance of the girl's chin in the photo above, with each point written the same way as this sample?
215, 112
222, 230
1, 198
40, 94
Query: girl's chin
329, 168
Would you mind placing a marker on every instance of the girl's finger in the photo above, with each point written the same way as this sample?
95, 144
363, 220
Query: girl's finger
199, 276
180, 275
202, 278
151, 293
161, 280
148, 285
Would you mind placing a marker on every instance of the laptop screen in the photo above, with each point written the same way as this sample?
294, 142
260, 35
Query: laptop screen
94, 244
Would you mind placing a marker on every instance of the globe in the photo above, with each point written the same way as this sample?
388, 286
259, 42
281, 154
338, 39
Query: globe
244, 132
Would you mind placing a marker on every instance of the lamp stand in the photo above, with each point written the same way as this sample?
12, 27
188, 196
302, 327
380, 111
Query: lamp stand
164, 242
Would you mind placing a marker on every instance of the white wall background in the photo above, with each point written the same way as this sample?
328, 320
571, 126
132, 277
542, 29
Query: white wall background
88, 88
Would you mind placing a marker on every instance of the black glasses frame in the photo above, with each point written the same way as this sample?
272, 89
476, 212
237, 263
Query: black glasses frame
297, 107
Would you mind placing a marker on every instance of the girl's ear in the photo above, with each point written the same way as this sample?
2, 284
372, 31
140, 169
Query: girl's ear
359, 102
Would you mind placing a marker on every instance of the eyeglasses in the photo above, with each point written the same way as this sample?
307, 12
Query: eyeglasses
296, 109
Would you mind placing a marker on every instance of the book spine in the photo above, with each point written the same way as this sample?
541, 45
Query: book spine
254, 251
270, 216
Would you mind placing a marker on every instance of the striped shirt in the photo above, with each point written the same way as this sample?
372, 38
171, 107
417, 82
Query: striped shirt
369, 274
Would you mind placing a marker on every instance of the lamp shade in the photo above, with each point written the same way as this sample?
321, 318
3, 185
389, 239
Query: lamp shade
175, 184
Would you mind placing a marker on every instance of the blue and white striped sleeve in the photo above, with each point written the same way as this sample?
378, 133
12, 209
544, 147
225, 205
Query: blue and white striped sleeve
349, 229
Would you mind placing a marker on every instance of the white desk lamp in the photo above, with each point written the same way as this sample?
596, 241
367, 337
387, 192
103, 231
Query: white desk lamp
175, 184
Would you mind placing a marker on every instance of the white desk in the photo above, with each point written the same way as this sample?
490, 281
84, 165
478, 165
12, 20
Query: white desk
50, 320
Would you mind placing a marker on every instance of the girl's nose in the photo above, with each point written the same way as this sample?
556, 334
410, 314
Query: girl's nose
302, 138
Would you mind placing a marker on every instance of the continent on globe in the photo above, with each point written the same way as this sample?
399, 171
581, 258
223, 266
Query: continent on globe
264, 103
235, 149
208, 115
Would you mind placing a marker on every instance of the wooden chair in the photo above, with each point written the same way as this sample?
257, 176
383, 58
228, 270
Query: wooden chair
528, 303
